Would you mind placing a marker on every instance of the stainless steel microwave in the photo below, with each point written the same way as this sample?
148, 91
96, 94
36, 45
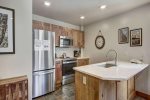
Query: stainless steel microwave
66, 41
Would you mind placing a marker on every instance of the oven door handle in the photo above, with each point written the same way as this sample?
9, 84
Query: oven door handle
69, 62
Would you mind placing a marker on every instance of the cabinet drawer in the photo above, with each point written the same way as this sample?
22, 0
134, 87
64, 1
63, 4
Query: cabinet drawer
82, 62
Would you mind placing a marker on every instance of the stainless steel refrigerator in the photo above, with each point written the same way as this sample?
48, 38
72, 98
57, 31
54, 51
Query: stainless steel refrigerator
43, 62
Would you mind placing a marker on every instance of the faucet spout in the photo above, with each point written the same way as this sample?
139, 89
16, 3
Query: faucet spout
116, 55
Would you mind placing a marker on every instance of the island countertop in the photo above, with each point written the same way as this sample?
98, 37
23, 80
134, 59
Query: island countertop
123, 70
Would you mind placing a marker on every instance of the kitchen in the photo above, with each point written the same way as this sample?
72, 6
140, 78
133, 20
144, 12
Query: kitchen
66, 40
79, 43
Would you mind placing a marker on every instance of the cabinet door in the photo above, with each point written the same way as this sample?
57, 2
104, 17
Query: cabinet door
47, 26
131, 88
41, 25
37, 25
81, 39
78, 38
69, 33
87, 87
107, 90
93, 88
126, 89
65, 31
82, 62
75, 38
58, 73
57, 30
80, 87
122, 90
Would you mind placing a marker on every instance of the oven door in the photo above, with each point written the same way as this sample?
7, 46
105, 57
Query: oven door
65, 41
68, 72
67, 68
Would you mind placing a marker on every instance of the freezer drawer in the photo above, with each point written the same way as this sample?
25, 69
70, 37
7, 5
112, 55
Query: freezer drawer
43, 82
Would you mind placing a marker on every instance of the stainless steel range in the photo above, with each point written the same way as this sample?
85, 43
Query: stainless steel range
67, 70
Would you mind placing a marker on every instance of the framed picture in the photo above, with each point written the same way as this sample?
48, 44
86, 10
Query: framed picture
123, 35
136, 37
7, 30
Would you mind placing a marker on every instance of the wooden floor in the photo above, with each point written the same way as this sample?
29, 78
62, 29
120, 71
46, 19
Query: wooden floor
67, 92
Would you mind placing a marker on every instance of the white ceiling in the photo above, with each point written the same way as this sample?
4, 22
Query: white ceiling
71, 10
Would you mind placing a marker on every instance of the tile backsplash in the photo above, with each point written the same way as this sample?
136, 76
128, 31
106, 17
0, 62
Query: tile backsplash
68, 51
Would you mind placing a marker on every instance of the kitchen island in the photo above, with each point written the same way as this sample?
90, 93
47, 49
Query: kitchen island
103, 82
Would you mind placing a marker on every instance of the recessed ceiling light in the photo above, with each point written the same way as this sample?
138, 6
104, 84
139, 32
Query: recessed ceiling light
103, 7
47, 3
82, 17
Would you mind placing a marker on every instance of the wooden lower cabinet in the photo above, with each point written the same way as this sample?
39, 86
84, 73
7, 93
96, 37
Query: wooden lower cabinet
87, 90
91, 88
82, 62
131, 88
58, 74
126, 89
14, 89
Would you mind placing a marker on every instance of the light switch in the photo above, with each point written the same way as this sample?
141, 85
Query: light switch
84, 80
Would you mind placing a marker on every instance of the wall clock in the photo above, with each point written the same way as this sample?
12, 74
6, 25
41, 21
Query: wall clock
100, 42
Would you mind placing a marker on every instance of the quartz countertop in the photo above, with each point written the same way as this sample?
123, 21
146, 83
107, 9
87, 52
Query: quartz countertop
123, 70
82, 57
12, 80
58, 59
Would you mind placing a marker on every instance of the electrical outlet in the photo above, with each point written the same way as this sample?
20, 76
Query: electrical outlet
84, 80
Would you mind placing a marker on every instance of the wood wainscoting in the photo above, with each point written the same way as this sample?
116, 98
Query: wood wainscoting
14, 88
143, 95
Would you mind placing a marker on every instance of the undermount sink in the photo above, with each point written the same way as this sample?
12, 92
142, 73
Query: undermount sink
107, 65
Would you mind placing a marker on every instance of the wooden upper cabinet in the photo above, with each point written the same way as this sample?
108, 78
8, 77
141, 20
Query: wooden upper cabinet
47, 26
57, 30
42, 26
78, 38
37, 25
61, 31
81, 39
64, 31
69, 33
75, 38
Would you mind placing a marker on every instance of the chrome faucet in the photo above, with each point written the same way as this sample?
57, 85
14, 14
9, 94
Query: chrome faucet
111, 50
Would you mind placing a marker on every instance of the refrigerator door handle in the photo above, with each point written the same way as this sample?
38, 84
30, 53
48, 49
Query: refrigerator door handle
53, 35
43, 73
